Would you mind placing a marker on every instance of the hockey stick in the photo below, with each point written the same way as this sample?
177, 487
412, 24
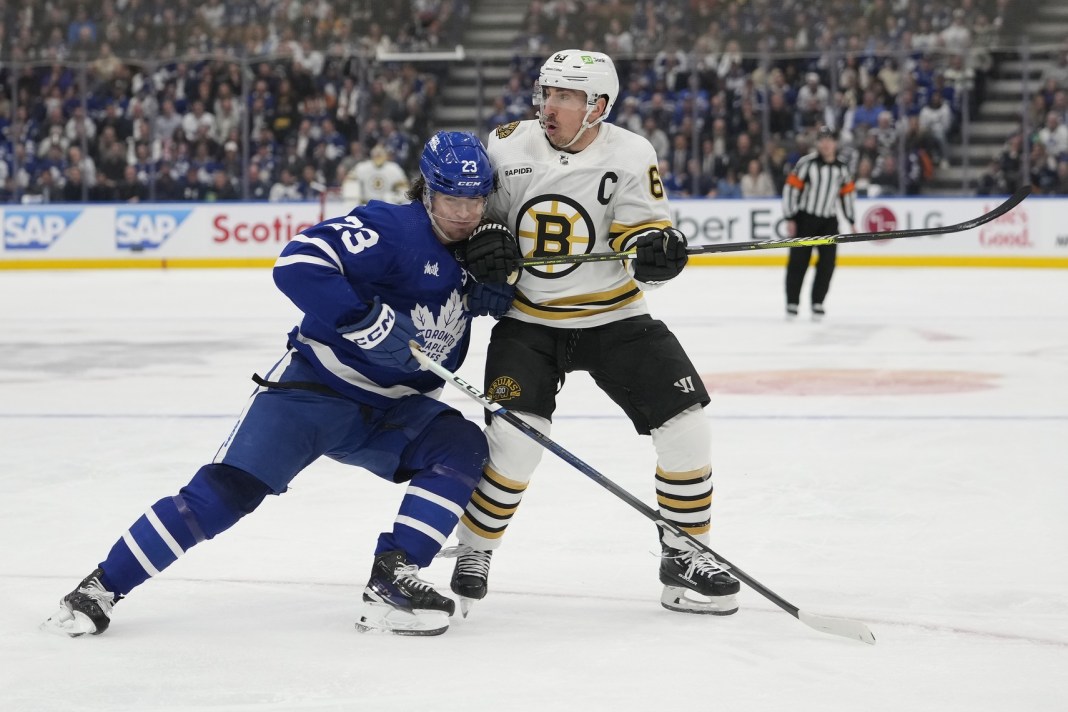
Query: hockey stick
835, 626
1014, 200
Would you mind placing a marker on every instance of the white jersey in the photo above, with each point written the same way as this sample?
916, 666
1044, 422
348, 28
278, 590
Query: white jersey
367, 182
555, 202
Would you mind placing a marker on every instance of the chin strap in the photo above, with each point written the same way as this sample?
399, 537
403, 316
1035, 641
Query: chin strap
585, 125
434, 223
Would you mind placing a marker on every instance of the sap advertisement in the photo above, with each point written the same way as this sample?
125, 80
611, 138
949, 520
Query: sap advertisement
242, 234
220, 233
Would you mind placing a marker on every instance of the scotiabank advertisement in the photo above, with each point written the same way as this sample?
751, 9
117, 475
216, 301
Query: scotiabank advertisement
242, 234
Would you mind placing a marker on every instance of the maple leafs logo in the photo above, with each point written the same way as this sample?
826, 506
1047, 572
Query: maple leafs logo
441, 334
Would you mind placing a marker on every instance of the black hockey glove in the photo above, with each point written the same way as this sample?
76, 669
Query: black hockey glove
384, 335
661, 255
489, 299
492, 255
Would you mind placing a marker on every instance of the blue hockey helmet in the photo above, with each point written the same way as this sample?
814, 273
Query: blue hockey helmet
455, 163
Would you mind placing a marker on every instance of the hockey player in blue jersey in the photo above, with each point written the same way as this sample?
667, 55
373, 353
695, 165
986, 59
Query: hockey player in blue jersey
348, 387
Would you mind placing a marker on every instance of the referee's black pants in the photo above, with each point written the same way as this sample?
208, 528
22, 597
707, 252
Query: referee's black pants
811, 226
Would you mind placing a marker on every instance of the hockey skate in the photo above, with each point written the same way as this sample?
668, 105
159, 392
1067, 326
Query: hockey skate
684, 572
86, 609
470, 577
397, 601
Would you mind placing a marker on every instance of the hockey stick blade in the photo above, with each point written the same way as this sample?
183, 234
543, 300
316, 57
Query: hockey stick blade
854, 630
835, 626
779, 242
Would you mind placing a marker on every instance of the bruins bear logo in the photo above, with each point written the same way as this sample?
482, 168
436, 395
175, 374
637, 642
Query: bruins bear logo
504, 388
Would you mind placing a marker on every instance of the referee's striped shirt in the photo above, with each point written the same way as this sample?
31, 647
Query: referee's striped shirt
817, 188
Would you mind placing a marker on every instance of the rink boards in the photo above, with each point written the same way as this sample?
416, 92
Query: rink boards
59, 236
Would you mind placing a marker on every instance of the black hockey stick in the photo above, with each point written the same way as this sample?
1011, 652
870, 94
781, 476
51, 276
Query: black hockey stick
1014, 200
835, 626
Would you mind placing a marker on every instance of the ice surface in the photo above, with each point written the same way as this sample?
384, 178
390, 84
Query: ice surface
903, 463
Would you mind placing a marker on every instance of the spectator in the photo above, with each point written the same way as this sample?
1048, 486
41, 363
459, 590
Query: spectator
192, 189
993, 181
130, 189
84, 163
165, 187
198, 122
956, 38
1054, 136
756, 183
728, 187
813, 102
885, 134
935, 122
866, 115
781, 120
285, 190
863, 179
166, 122
656, 136
42, 189
259, 183
1043, 169
885, 179
221, 189
311, 185
74, 189
1060, 186
1010, 161
112, 164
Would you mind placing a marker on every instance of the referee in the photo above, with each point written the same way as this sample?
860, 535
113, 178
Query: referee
816, 186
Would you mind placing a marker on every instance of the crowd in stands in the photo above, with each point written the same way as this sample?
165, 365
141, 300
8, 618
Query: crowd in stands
1040, 148
732, 92
172, 99
148, 100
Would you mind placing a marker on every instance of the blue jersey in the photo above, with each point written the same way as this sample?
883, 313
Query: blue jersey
334, 271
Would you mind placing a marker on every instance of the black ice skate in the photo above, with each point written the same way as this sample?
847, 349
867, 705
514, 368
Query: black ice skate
397, 601
86, 609
700, 573
470, 577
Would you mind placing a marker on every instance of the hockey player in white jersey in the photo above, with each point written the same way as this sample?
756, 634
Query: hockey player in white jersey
349, 388
571, 183
376, 178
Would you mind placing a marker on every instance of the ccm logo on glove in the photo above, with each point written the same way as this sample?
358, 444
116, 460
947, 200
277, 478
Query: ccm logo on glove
376, 333
384, 336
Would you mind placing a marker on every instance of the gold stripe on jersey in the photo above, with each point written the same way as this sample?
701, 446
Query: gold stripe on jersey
701, 473
698, 530
489, 506
482, 531
685, 498
683, 505
492, 504
502, 482
579, 305
619, 234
